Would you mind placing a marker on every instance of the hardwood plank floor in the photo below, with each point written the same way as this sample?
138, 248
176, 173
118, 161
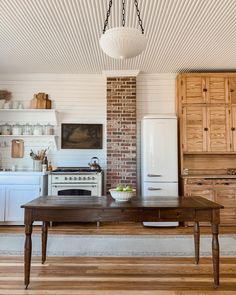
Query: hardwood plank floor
112, 228
129, 276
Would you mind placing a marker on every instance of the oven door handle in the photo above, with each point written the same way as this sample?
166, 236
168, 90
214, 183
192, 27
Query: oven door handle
73, 185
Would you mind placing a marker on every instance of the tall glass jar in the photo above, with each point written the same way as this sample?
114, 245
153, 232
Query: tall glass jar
27, 129
6, 129
38, 129
17, 129
48, 129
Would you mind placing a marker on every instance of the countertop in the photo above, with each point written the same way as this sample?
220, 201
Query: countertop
208, 176
22, 173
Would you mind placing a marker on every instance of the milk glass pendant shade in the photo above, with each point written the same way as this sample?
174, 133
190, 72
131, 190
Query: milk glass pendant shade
123, 42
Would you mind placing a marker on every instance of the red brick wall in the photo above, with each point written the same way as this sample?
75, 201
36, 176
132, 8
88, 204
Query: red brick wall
121, 131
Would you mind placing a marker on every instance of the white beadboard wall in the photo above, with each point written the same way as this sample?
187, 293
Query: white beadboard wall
82, 99
77, 98
155, 95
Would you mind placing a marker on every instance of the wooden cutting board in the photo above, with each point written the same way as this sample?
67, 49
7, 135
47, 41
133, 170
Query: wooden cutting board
17, 148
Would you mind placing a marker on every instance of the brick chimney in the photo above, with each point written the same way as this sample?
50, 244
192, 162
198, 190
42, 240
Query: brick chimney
121, 131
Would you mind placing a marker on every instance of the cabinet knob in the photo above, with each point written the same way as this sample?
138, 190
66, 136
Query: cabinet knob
233, 129
199, 183
204, 90
205, 129
231, 90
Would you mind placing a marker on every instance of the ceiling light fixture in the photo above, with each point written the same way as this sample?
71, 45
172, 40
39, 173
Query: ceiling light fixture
123, 42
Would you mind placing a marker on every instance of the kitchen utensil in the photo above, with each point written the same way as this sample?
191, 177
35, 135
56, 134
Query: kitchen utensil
94, 164
17, 148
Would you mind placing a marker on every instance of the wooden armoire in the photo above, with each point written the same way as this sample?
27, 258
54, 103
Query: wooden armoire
206, 107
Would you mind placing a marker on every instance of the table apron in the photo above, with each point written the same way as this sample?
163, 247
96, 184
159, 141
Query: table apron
117, 214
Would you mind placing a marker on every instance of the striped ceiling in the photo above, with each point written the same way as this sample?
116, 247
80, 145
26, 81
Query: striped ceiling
61, 36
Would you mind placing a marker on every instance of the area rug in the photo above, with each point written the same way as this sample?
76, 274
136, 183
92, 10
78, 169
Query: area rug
117, 245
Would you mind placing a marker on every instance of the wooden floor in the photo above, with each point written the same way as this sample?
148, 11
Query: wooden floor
112, 228
113, 276
129, 276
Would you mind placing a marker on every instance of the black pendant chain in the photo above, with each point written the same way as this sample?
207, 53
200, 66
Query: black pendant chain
123, 15
139, 17
108, 14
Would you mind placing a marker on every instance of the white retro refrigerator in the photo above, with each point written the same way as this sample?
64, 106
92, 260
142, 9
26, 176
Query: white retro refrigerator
159, 159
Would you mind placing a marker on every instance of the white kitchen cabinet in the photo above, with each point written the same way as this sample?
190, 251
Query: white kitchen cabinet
2, 203
17, 195
16, 189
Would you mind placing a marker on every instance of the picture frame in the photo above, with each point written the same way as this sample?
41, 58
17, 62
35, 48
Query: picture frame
81, 136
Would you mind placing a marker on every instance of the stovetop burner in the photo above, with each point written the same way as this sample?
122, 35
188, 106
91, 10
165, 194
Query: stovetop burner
72, 170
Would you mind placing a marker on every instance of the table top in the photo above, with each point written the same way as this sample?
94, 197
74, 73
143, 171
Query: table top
88, 202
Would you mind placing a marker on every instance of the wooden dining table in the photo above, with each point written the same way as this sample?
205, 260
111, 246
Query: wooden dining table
100, 209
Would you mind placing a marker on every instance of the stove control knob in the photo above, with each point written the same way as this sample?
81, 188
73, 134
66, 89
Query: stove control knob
75, 178
84, 178
88, 178
65, 178
70, 178
93, 178
79, 178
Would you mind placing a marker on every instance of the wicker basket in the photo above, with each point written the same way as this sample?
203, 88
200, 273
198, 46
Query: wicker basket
121, 196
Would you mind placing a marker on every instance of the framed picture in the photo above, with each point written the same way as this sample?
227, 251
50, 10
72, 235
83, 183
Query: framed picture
81, 136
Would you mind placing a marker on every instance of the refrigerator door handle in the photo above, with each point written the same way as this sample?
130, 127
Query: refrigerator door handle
154, 175
154, 188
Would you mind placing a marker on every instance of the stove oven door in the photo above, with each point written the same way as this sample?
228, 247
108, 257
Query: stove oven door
74, 190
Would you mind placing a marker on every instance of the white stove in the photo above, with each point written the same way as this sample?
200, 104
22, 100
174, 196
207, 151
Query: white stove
81, 181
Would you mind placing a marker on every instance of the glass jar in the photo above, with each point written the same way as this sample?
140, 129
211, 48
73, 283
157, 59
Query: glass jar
27, 129
6, 129
17, 129
48, 129
37, 165
38, 129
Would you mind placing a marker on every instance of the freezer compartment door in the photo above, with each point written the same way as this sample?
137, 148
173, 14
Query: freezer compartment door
159, 150
156, 189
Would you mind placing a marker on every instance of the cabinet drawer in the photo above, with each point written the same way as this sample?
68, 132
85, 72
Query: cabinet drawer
22, 180
225, 183
177, 215
199, 181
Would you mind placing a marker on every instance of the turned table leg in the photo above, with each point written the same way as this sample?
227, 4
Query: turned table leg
44, 240
216, 254
196, 241
28, 252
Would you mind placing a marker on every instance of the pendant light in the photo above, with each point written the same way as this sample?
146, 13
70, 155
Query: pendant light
123, 42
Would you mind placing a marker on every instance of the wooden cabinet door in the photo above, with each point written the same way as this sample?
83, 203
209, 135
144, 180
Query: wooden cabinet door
207, 193
217, 90
198, 191
2, 202
193, 90
17, 195
227, 198
233, 127
218, 133
232, 90
193, 133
